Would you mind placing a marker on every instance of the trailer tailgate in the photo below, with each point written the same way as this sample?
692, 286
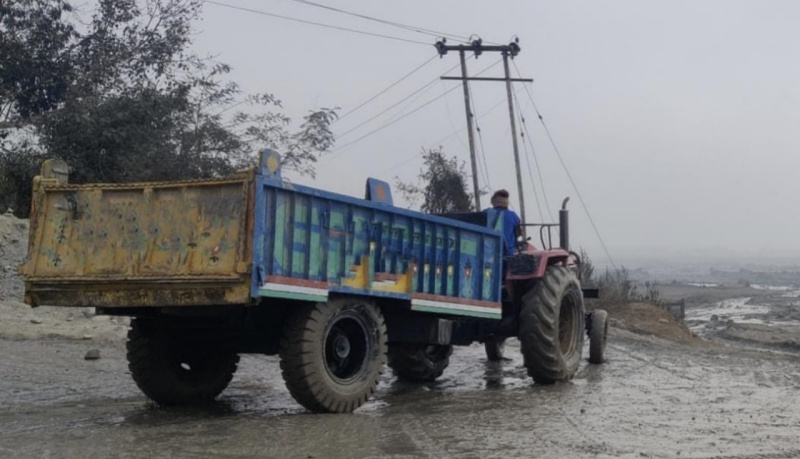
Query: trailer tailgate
140, 244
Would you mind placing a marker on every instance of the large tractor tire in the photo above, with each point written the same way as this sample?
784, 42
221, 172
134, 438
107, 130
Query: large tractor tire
174, 371
598, 334
495, 348
332, 354
551, 326
419, 362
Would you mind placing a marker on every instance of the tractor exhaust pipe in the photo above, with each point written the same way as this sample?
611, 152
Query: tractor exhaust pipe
563, 225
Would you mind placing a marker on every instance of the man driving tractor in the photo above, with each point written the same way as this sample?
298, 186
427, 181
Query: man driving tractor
511, 221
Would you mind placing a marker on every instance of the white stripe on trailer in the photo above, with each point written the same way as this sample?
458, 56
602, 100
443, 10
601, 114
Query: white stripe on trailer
455, 306
295, 289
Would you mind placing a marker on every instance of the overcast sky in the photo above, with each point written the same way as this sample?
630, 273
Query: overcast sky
679, 120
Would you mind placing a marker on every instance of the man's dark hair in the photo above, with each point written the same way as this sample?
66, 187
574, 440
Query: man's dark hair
500, 193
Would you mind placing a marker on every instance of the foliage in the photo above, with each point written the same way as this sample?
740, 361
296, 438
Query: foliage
441, 184
616, 286
121, 97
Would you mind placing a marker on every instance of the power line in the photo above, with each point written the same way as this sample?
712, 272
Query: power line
388, 87
569, 176
406, 115
418, 91
480, 139
402, 111
370, 119
455, 132
526, 136
450, 120
319, 24
395, 121
421, 30
533, 184
482, 172
530, 173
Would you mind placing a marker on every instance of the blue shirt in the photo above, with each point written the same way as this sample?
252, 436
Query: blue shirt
510, 223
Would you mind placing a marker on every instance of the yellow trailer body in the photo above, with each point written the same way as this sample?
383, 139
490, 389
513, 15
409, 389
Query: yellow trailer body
140, 244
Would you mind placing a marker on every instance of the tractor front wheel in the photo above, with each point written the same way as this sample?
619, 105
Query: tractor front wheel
551, 326
598, 333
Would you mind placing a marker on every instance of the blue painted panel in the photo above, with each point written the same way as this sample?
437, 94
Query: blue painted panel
312, 235
379, 191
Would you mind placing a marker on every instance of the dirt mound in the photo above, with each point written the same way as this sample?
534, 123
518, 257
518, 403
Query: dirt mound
13, 249
646, 319
20, 321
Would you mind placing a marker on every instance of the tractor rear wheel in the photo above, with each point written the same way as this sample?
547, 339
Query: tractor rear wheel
419, 362
173, 370
551, 326
332, 354
597, 336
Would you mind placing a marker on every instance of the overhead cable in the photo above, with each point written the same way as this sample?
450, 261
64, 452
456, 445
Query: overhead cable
530, 172
569, 176
525, 134
383, 91
482, 173
480, 137
454, 133
421, 30
319, 24
420, 90
406, 115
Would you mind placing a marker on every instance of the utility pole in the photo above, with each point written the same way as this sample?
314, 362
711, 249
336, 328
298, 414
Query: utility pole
510, 50
514, 142
472, 159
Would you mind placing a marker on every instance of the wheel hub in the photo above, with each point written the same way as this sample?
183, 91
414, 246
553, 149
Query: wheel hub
341, 347
346, 347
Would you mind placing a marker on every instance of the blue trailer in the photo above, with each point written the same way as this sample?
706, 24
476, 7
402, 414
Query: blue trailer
337, 286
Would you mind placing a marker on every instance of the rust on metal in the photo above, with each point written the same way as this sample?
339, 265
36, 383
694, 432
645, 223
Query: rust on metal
139, 244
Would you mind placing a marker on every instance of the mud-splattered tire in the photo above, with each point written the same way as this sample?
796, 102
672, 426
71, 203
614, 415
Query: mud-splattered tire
333, 354
495, 347
419, 362
172, 372
551, 326
598, 334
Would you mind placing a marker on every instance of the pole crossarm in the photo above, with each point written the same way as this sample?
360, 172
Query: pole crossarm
477, 47
509, 50
522, 80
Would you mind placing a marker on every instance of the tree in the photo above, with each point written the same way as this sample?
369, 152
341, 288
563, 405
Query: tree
121, 97
441, 184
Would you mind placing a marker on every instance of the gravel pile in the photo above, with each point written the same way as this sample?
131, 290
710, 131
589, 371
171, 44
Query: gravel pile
13, 249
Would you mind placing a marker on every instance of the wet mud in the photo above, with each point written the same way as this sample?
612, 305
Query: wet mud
654, 398
769, 320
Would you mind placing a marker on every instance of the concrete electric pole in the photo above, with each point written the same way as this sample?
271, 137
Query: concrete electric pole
477, 47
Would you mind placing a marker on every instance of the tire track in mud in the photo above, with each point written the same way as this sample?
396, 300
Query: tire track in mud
626, 351
649, 400
789, 454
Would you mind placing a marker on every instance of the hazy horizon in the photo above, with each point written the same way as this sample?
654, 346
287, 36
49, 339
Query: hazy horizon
676, 119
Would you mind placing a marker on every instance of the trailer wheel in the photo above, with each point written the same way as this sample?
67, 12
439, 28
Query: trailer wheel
597, 336
172, 372
332, 354
419, 362
494, 348
551, 326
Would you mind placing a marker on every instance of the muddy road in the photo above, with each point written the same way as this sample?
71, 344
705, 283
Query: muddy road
652, 399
